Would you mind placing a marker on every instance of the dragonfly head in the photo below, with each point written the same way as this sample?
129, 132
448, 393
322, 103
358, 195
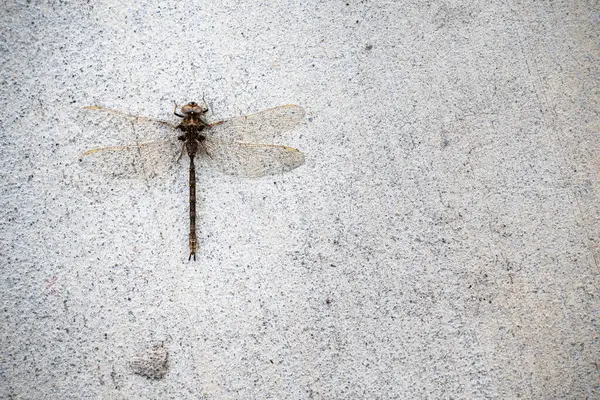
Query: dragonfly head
193, 108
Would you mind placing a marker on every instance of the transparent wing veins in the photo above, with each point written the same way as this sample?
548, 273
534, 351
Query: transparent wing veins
230, 144
252, 160
262, 127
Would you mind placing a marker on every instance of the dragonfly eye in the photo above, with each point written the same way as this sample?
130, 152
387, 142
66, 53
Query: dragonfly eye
187, 109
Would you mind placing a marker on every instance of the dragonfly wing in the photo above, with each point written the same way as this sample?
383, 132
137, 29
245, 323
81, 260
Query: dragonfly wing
262, 127
154, 147
252, 160
132, 161
108, 124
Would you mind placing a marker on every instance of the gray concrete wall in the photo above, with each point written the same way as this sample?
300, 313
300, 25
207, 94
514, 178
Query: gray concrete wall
441, 240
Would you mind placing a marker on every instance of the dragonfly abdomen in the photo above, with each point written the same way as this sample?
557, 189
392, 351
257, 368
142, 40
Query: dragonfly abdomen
193, 238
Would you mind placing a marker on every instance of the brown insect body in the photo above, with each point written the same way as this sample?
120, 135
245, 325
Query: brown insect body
192, 125
239, 146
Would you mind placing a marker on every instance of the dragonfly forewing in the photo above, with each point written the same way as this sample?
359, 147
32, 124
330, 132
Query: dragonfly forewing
263, 127
108, 123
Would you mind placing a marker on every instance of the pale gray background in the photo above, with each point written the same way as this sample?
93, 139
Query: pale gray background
441, 240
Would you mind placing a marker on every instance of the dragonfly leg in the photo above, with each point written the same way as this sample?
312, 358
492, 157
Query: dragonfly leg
175, 111
205, 105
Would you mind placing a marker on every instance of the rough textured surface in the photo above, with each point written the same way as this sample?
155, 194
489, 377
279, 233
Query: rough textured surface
152, 363
441, 240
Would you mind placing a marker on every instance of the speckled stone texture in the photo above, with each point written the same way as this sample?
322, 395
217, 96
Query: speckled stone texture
441, 240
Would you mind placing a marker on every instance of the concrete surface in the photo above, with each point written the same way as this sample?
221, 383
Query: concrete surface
441, 240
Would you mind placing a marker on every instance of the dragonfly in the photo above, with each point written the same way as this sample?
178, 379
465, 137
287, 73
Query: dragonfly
235, 146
